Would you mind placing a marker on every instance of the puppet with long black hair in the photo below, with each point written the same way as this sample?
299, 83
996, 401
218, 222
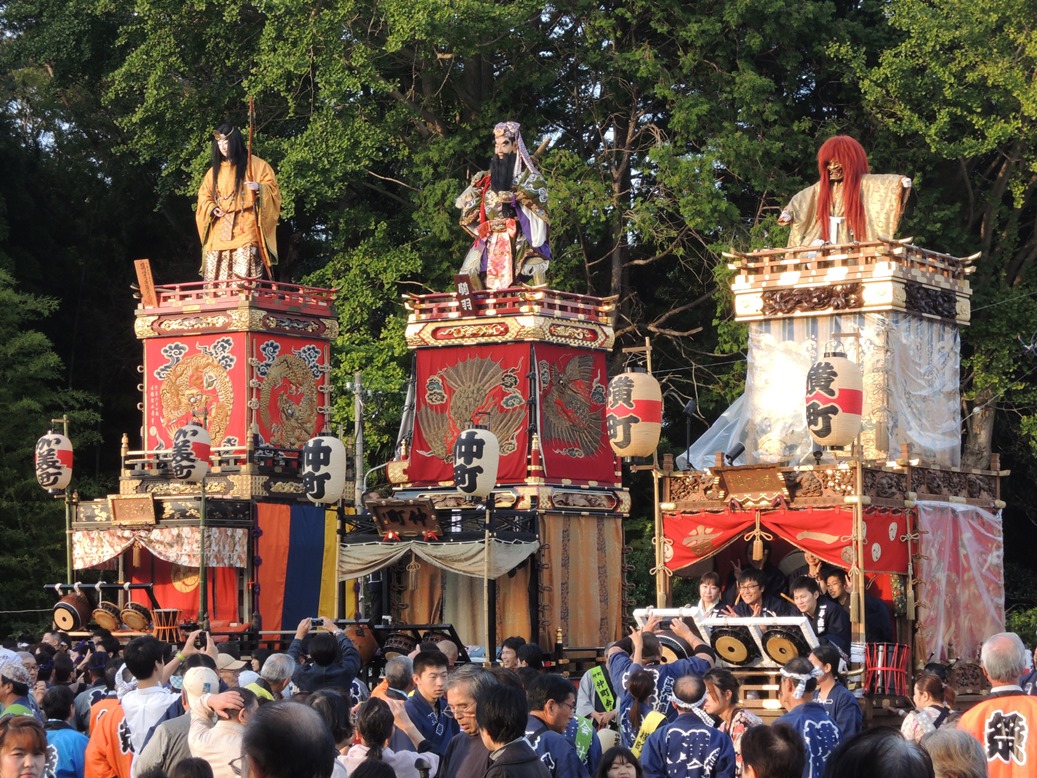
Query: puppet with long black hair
239, 203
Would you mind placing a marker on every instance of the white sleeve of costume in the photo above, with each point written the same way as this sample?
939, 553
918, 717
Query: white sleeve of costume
537, 228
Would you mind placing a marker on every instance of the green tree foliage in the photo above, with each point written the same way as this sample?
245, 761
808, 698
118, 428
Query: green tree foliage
671, 131
958, 91
32, 534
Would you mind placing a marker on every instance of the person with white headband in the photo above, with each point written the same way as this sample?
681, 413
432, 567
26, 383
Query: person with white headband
795, 693
689, 746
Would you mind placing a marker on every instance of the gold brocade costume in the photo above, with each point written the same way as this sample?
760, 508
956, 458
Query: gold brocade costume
248, 218
883, 197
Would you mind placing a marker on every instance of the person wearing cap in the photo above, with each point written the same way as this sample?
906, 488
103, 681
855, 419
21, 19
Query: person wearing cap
688, 747
216, 738
94, 691
335, 659
37, 688
229, 668
14, 690
168, 745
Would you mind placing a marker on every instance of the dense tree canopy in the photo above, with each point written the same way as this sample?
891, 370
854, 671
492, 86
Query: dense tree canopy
670, 131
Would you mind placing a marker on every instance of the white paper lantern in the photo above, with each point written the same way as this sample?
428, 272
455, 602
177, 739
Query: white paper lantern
634, 414
476, 460
191, 448
834, 400
324, 469
54, 461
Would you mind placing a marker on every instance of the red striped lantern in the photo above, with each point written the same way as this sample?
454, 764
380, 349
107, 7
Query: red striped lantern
834, 400
190, 457
634, 414
54, 461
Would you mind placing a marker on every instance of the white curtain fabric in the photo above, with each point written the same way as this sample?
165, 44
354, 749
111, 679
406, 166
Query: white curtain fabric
465, 558
911, 378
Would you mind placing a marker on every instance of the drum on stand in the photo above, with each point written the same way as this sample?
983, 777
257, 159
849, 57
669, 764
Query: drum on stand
364, 640
399, 644
72, 612
166, 628
672, 647
136, 616
782, 644
106, 614
735, 645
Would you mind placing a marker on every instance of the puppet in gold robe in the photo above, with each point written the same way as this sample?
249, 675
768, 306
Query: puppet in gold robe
239, 203
848, 204
505, 210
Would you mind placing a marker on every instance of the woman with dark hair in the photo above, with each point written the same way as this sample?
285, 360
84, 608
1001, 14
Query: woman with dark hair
374, 722
619, 762
838, 701
334, 709
239, 202
881, 751
722, 703
933, 700
23, 747
709, 594
640, 687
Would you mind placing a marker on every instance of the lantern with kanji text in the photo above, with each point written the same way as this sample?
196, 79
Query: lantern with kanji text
324, 469
54, 461
190, 454
834, 400
476, 459
634, 414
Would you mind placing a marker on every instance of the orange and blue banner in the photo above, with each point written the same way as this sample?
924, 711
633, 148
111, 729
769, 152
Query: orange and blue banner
296, 564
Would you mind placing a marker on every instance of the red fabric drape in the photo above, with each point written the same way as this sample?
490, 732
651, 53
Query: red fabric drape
176, 586
826, 532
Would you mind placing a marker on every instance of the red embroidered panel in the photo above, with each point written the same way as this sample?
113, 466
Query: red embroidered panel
571, 405
455, 386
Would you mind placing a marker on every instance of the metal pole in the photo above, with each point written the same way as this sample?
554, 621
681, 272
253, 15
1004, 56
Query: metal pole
63, 421
203, 617
487, 536
358, 439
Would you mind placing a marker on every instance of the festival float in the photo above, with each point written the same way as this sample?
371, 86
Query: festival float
506, 504
846, 442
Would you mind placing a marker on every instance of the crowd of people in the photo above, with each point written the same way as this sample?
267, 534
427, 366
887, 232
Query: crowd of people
96, 709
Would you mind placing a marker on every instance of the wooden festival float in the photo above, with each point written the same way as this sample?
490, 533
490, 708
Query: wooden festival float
243, 551
546, 549
895, 508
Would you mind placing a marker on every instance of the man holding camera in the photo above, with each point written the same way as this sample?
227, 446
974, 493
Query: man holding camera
335, 659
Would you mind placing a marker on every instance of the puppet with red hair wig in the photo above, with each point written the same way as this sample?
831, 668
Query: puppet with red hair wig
848, 204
